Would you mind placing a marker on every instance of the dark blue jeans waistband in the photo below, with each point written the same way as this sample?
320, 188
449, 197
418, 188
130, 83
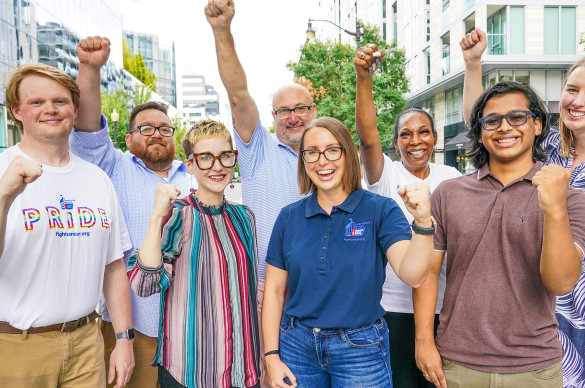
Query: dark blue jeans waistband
291, 321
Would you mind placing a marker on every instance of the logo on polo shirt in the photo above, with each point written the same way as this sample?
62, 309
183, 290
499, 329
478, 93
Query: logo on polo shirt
355, 229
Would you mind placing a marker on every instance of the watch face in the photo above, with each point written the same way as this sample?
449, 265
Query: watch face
130, 333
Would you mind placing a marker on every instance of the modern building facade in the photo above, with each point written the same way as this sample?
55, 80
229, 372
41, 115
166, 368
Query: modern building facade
160, 59
530, 41
47, 31
200, 100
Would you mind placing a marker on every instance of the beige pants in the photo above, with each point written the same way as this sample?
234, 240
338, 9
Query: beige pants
144, 375
459, 376
54, 359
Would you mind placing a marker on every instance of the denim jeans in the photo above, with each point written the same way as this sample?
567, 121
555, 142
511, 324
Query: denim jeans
334, 357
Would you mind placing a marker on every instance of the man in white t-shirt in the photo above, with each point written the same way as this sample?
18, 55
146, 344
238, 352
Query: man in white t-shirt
62, 237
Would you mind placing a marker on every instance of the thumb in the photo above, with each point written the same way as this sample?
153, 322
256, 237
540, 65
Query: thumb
111, 373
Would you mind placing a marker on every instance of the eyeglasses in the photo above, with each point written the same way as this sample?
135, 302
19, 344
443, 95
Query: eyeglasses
205, 160
515, 118
331, 154
300, 111
149, 130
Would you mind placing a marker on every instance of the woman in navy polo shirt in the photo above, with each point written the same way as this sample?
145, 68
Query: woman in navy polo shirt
330, 251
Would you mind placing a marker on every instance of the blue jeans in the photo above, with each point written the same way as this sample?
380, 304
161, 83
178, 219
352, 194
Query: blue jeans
334, 357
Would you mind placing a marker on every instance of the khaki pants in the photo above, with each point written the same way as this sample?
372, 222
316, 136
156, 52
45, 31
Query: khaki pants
459, 376
54, 359
144, 375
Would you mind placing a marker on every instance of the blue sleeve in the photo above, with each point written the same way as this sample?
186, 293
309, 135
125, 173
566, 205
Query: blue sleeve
275, 253
251, 155
96, 147
393, 225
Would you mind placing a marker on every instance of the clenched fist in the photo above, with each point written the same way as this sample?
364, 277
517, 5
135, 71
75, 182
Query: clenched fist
19, 173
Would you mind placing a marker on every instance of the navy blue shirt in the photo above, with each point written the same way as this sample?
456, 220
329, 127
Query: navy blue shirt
336, 263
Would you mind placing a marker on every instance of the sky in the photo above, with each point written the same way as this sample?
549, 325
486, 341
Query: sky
267, 35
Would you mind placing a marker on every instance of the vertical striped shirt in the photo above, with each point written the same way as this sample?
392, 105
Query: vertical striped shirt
208, 335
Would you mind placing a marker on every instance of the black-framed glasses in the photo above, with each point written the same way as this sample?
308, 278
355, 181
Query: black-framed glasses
149, 130
332, 154
205, 160
300, 111
514, 118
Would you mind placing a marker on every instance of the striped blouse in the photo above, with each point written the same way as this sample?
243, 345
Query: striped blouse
208, 333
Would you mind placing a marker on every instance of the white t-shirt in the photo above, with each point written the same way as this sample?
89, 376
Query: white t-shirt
61, 232
397, 295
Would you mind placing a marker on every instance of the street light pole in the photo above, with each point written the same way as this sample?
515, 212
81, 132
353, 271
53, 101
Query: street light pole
115, 116
358, 29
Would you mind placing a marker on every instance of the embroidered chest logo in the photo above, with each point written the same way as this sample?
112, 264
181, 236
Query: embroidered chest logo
355, 229
62, 218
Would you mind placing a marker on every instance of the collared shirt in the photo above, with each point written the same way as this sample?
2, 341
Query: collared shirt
336, 262
135, 186
269, 182
497, 315
552, 145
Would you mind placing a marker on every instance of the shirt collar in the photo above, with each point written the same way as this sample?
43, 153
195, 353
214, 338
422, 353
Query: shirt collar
484, 171
312, 207
175, 165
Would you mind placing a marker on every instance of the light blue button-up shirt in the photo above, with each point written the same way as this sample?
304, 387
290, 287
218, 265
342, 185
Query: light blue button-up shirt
135, 185
269, 182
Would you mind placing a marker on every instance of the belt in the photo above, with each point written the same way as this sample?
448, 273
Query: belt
6, 328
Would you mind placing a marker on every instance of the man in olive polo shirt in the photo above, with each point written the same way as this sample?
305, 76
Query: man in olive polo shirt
515, 234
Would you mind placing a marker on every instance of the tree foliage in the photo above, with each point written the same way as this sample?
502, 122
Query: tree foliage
117, 99
180, 131
135, 65
326, 69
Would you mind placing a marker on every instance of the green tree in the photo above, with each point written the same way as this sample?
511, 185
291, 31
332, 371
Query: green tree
135, 65
326, 69
117, 99
180, 130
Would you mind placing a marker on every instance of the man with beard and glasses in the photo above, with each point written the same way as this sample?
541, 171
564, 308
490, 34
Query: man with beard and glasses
150, 160
268, 163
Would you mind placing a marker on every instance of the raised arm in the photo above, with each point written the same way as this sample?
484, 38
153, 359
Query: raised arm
219, 14
366, 123
560, 259
424, 299
472, 46
20, 172
93, 52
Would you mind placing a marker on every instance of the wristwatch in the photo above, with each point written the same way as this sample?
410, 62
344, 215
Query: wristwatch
424, 231
129, 333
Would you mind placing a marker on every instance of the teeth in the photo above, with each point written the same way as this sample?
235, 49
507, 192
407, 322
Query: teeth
325, 172
576, 113
509, 140
216, 176
417, 152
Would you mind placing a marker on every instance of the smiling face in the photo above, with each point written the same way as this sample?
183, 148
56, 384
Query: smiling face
509, 144
290, 130
572, 104
156, 151
211, 183
415, 143
46, 110
327, 175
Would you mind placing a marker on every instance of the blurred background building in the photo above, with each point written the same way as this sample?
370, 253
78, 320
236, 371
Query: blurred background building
528, 41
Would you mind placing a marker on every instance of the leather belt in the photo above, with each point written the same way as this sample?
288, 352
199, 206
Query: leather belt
6, 328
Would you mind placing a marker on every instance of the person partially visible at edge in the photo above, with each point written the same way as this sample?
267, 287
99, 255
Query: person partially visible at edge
515, 234
331, 250
208, 334
414, 139
150, 160
565, 146
268, 163
66, 250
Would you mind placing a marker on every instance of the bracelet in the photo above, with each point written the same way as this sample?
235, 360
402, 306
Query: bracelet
424, 231
272, 352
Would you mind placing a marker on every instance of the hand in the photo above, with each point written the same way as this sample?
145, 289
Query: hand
428, 360
20, 172
93, 51
277, 371
121, 363
219, 13
552, 183
367, 60
417, 198
164, 198
473, 45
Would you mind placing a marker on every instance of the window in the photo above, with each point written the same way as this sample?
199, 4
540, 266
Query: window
517, 35
428, 23
496, 32
446, 60
560, 30
445, 5
427, 59
429, 106
453, 106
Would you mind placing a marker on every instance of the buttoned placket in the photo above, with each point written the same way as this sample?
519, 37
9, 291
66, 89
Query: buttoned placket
325, 243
